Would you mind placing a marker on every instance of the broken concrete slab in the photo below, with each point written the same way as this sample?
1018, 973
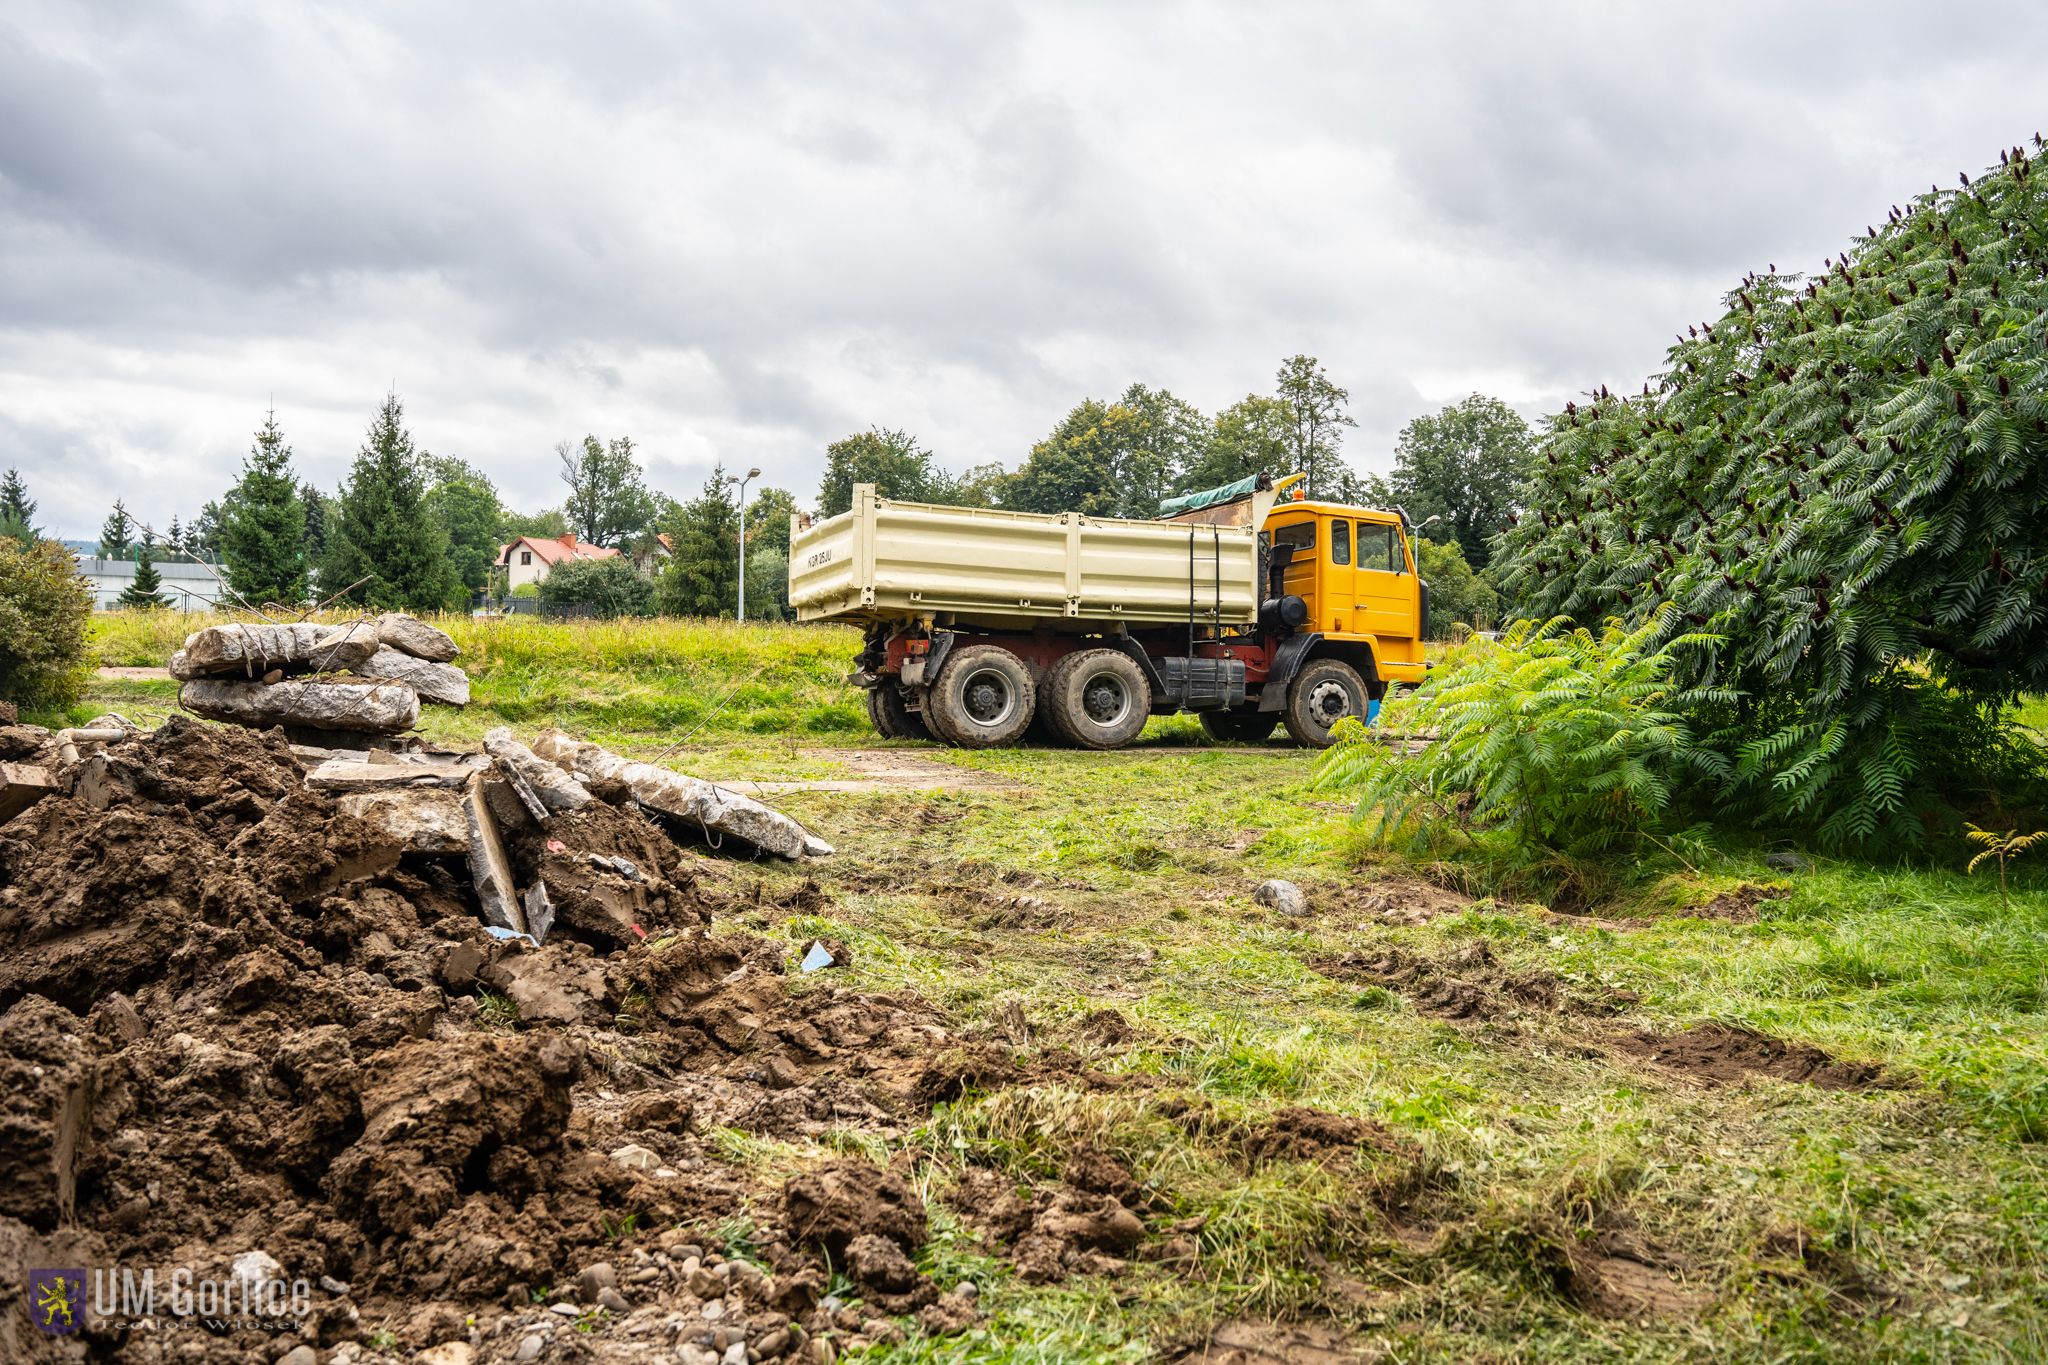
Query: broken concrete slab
420, 819
540, 912
325, 704
434, 682
489, 868
21, 786
340, 775
410, 635
713, 809
558, 790
529, 800
250, 651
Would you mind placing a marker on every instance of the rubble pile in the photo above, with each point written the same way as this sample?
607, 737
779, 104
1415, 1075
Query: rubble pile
360, 679
444, 1035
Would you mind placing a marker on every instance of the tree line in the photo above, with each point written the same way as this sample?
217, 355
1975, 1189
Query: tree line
411, 529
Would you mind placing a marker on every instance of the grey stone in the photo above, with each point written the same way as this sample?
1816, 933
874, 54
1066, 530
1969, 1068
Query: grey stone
489, 868
334, 1286
434, 682
595, 1278
299, 1355
688, 799
1284, 897
556, 788
530, 1347
410, 635
634, 1157
379, 708
344, 775
613, 1301
736, 1354
250, 651
690, 1353
419, 819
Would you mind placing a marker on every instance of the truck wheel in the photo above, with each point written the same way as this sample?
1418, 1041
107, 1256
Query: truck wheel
891, 718
1323, 693
983, 698
1098, 698
1238, 727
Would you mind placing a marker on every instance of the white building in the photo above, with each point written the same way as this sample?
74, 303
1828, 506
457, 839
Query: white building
189, 587
528, 559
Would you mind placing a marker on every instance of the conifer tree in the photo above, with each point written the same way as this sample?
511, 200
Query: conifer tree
263, 528
143, 591
117, 533
17, 509
703, 577
383, 549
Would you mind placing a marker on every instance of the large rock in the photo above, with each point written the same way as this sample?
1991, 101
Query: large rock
434, 682
410, 635
250, 651
418, 819
489, 868
557, 789
688, 799
327, 704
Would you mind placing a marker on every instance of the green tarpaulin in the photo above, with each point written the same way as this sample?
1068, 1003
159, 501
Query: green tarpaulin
1209, 497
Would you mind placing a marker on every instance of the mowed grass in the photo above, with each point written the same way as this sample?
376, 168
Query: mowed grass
1905, 1221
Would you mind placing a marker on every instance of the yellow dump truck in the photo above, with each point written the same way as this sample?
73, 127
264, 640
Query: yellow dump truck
1245, 606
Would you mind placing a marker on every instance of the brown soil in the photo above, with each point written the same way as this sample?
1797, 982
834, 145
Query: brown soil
1407, 900
232, 1020
1621, 1277
1469, 984
1303, 1134
1085, 1223
1725, 1054
1739, 906
1260, 1343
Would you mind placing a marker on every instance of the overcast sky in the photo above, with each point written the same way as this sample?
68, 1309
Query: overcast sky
740, 231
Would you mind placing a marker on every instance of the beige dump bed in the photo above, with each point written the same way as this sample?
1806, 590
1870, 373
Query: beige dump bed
891, 560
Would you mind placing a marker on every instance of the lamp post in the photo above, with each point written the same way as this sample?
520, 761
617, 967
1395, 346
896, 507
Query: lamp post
752, 474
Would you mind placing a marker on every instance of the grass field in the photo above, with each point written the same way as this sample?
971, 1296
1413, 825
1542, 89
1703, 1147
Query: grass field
1556, 1187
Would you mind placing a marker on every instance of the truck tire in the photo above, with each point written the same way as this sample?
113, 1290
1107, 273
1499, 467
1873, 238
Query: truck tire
982, 699
891, 718
1097, 698
1238, 727
1322, 693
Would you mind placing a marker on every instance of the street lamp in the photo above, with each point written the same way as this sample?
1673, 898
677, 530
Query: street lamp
752, 474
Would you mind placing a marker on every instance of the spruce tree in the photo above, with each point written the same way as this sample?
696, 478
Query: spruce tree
143, 592
17, 509
263, 529
175, 536
117, 533
317, 505
379, 530
703, 577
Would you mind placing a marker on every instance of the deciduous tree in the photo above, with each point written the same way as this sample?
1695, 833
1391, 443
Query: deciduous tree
1466, 464
891, 460
608, 501
1317, 417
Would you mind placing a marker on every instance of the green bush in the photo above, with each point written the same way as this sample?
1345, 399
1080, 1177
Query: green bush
1456, 593
1557, 740
525, 590
44, 605
610, 587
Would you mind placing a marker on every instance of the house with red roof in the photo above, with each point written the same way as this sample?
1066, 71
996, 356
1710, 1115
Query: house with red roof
528, 558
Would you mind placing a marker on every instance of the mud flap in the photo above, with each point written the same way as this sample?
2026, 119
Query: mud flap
1286, 663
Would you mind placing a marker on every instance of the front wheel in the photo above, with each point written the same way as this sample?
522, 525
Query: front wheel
982, 699
1323, 693
1238, 727
891, 718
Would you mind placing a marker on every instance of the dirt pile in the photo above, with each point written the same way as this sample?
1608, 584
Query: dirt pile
1726, 1054
236, 1018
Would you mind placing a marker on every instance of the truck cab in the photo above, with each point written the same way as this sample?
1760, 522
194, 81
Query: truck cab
1352, 567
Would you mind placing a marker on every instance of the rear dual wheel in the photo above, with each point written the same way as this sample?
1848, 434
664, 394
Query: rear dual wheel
983, 698
1096, 698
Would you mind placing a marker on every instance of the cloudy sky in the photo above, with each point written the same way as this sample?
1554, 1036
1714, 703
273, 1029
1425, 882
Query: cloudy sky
740, 231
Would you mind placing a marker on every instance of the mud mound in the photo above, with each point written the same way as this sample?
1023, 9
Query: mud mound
1057, 1229
1622, 1278
1470, 984
1725, 1054
1407, 900
1739, 906
234, 1018
1299, 1133
1264, 1343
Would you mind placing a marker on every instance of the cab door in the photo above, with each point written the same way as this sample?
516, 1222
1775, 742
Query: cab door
1384, 583
1302, 570
1341, 614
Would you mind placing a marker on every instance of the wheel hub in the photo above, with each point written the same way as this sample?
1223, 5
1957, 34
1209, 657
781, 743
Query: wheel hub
1105, 699
988, 698
1329, 702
